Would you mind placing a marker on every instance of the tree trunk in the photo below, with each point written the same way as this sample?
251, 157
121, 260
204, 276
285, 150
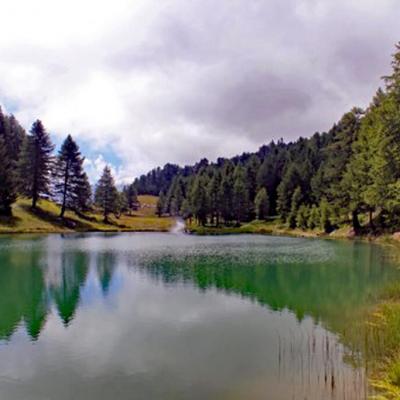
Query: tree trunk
34, 201
371, 223
64, 203
356, 222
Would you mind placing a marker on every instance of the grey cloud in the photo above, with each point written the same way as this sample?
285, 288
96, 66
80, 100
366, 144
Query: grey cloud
212, 78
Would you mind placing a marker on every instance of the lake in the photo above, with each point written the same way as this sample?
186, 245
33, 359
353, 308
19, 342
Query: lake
174, 316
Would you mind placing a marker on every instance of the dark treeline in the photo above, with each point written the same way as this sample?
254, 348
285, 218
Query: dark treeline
29, 168
350, 174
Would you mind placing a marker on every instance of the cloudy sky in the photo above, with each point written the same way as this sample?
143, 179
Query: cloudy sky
142, 82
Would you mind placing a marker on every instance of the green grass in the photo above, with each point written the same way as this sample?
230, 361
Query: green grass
383, 344
46, 220
271, 227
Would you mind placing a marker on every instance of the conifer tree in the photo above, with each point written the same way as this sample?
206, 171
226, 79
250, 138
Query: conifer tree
7, 180
261, 204
302, 217
106, 194
325, 216
291, 180
294, 206
131, 197
214, 196
226, 192
314, 217
240, 195
84, 194
12, 133
199, 199
160, 208
35, 164
186, 211
68, 175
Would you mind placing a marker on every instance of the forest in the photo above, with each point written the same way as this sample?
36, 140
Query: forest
348, 175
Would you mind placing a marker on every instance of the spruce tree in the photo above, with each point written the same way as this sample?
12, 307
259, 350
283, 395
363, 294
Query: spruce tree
291, 180
160, 208
294, 207
68, 175
199, 199
84, 194
261, 204
226, 192
214, 196
12, 133
314, 217
131, 197
106, 195
186, 211
240, 195
35, 164
7, 180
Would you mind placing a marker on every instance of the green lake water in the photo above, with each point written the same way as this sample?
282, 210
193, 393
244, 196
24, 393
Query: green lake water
173, 316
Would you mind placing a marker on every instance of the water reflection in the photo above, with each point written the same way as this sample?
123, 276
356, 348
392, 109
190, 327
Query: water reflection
231, 318
330, 289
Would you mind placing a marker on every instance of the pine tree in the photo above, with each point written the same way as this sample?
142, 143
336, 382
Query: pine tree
12, 133
175, 196
160, 204
214, 196
302, 217
294, 207
68, 175
314, 217
7, 180
325, 216
199, 199
291, 180
226, 192
240, 195
131, 197
186, 211
35, 164
121, 204
261, 204
252, 166
84, 194
106, 194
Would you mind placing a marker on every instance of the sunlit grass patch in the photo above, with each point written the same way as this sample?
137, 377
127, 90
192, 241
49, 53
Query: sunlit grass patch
46, 219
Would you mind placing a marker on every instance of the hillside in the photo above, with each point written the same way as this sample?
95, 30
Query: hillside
46, 220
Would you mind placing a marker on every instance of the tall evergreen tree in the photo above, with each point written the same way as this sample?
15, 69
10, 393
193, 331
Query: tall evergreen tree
7, 180
35, 164
226, 192
240, 195
261, 204
68, 175
84, 196
106, 194
199, 199
131, 197
160, 207
214, 196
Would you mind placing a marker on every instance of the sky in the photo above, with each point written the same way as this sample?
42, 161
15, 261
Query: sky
139, 83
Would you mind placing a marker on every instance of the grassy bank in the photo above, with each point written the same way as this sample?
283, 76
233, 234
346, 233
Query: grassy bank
276, 227
383, 345
271, 227
45, 219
